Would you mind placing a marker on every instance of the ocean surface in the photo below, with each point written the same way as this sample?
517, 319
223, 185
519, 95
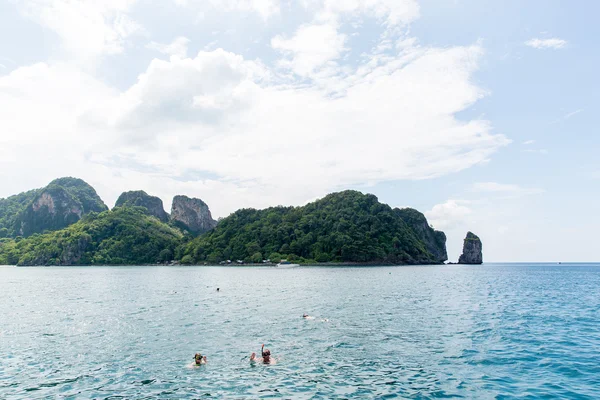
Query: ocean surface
492, 331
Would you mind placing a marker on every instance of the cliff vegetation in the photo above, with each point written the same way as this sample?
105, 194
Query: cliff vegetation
63, 202
346, 226
66, 223
123, 236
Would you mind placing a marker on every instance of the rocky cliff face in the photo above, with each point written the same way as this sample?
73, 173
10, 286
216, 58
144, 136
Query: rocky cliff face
435, 241
192, 214
139, 198
472, 250
63, 202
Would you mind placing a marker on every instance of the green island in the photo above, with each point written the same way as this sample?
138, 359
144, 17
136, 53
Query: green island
66, 223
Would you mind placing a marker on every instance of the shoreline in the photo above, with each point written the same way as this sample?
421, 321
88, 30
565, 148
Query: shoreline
235, 265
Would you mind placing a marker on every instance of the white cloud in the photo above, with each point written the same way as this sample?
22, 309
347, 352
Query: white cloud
311, 47
178, 47
184, 94
237, 132
220, 118
566, 116
572, 113
553, 43
391, 12
528, 142
314, 48
504, 189
397, 126
87, 28
448, 215
264, 8
538, 151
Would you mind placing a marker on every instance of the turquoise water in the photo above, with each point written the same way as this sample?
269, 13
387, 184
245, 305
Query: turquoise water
495, 331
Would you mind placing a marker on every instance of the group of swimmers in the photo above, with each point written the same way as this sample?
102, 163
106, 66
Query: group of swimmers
199, 359
265, 358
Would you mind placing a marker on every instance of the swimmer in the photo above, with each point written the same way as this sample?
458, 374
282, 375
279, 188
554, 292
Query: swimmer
306, 316
266, 356
199, 359
218, 289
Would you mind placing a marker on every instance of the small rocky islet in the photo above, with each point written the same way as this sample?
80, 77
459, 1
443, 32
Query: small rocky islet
472, 250
67, 223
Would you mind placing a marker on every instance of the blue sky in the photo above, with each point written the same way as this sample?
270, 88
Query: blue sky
480, 114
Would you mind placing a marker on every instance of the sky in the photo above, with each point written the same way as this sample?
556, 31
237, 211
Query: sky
480, 114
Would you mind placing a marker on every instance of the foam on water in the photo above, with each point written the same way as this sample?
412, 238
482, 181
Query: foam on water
510, 330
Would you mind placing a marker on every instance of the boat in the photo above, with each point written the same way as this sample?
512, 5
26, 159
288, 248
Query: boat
286, 264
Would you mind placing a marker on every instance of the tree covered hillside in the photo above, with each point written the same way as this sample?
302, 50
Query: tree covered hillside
63, 202
11, 207
346, 226
125, 235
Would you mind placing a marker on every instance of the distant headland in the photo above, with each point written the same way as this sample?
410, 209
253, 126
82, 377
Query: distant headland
67, 223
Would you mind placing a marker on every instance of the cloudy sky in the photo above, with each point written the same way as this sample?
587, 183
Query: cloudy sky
482, 114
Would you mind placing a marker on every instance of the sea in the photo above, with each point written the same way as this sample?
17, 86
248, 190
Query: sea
492, 331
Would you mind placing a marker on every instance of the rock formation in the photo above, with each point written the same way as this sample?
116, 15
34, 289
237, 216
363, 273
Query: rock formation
435, 241
63, 202
139, 198
471, 250
192, 214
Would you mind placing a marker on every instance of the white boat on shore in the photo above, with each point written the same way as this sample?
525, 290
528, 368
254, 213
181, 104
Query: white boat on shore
286, 264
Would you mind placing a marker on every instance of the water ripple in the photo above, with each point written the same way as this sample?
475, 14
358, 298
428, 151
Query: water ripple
413, 332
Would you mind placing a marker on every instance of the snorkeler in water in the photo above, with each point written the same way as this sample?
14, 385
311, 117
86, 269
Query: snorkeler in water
199, 359
266, 356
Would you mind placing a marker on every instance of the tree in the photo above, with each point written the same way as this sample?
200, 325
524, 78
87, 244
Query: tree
187, 260
256, 257
165, 255
275, 257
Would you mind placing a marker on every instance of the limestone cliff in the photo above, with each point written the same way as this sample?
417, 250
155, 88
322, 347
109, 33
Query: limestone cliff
63, 202
435, 241
139, 198
472, 250
192, 214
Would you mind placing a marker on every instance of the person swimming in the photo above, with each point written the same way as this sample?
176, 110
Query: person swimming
199, 359
266, 356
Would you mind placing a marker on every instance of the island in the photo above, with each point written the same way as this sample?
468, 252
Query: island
472, 250
66, 223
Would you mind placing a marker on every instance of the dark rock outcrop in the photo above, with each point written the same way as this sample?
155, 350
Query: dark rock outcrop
435, 241
139, 198
192, 214
63, 202
472, 250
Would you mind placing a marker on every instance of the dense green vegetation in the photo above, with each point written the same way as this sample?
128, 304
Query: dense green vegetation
66, 223
56, 206
83, 192
125, 235
11, 207
435, 241
342, 227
